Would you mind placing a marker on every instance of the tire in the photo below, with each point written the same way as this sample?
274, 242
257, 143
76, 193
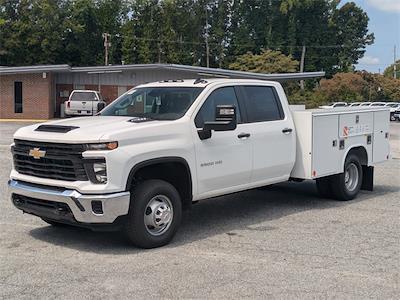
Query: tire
54, 223
150, 199
392, 118
324, 187
346, 185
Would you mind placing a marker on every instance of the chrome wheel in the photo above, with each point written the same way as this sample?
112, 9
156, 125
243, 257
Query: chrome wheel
158, 215
351, 177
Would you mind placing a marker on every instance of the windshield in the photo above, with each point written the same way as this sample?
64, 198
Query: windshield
83, 96
157, 103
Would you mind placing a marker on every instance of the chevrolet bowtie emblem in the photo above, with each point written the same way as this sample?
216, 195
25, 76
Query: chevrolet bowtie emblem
36, 153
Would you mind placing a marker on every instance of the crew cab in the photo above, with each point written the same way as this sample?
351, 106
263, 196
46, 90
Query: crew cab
162, 146
84, 103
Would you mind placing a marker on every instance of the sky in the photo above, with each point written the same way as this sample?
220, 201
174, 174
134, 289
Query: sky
384, 22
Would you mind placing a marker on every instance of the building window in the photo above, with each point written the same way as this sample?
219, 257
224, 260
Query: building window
18, 97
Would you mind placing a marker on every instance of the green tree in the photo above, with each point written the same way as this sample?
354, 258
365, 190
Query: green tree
267, 61
351, 27
31, 32
389, 71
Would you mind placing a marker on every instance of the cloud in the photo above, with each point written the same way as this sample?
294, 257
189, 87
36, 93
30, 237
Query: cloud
369, 60
386, 5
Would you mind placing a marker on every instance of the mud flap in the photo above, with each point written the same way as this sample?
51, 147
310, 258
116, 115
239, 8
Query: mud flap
368, 178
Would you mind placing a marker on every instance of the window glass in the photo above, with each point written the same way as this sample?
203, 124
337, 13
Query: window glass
157, 103
83, 96
261, 104
221, 96
18, 97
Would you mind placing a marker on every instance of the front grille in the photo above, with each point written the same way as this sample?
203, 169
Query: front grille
61, 161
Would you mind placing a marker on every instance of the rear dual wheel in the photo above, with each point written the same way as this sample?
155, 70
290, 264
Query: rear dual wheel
344, 186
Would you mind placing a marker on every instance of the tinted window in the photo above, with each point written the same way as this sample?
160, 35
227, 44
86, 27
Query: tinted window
262, 104
18, 97
83, 96
220, 96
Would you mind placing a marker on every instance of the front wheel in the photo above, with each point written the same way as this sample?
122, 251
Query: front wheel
155, 213
392, 117
346, 185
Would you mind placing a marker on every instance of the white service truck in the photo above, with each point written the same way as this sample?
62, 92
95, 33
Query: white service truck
162, 146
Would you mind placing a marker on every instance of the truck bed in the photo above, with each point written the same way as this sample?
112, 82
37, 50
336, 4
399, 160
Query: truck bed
324, 137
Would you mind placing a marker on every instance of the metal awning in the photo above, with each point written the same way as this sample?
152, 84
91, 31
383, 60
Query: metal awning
196, 70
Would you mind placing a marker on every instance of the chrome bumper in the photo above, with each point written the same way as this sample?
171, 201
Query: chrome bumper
113, 205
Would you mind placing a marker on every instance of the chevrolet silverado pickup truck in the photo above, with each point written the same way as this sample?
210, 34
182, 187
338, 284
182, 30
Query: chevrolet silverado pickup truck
162, 146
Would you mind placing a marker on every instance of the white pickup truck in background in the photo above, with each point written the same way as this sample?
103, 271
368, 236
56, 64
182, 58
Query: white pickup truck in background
84, 103
162, 146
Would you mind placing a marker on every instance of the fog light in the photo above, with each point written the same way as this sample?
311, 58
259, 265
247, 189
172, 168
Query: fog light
100, 171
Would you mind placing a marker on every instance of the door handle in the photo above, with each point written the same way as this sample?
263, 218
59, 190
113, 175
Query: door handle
287, 130
243, 135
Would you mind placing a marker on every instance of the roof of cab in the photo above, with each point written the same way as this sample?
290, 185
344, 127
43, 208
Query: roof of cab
202, 82
86, 91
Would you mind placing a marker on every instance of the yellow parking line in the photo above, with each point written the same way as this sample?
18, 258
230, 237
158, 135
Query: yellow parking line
22, 120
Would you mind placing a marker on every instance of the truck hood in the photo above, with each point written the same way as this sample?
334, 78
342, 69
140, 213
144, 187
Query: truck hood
86, 129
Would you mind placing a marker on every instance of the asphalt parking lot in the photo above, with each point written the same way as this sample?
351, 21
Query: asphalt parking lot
281, 242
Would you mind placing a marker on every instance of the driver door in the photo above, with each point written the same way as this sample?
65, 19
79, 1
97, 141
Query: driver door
224, 161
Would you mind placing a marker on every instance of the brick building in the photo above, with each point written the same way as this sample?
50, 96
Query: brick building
37, 92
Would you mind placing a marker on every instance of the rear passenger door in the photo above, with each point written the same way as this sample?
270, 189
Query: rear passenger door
271, 132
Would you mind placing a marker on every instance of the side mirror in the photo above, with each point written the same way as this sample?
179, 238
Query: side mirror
100, 106
225, 119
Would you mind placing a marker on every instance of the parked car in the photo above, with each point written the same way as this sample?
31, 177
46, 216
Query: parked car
396, 115
394, 106
162, 146
84, 103
378, 104
365, 103
334, 105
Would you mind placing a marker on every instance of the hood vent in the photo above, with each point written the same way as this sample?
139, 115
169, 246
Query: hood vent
55, 128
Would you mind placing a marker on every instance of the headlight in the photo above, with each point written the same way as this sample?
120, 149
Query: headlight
102, 146
100, 172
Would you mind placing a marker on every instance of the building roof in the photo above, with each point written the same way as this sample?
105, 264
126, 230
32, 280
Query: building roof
197, 71
34, 69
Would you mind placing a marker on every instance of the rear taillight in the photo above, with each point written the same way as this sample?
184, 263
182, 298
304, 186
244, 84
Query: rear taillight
68, 104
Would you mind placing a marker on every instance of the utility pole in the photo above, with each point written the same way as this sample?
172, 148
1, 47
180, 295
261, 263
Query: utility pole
394, 64
207, 46
107, 45
303, 54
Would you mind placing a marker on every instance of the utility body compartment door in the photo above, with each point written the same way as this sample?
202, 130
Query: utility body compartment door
381, 147
325, 146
